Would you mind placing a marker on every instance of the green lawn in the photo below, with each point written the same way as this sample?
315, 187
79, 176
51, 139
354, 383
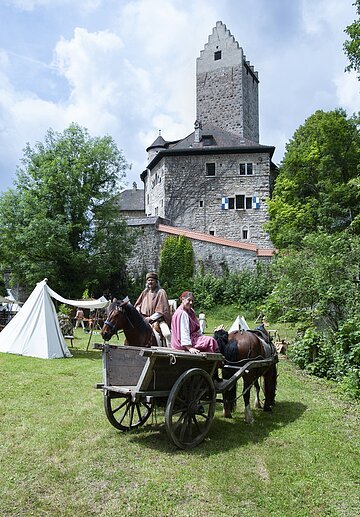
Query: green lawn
60, 456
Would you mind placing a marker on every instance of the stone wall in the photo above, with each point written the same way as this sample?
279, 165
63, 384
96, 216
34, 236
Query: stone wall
209, 257
194, 201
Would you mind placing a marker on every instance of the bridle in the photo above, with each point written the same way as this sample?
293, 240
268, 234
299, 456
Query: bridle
121, 308
118, 308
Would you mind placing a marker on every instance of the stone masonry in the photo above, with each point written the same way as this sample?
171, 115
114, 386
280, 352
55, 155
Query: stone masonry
227, 86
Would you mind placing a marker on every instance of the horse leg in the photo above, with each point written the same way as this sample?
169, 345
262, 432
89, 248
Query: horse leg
248, 415
271, 380
257, 403
229, 396
269, 389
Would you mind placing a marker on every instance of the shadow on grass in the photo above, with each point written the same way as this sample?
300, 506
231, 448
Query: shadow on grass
224, 434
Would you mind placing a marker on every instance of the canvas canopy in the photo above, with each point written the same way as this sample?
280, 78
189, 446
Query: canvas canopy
100, 303
239, 324
34, 331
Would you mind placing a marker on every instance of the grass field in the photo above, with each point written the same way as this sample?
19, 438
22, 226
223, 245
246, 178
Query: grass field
60, 456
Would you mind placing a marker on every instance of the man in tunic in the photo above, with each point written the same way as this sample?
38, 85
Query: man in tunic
153, 305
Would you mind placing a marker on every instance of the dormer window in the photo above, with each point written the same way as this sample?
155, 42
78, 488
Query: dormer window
208, 140
217, 55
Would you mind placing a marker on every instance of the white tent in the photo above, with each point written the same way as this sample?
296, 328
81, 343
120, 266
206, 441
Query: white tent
34, 331
239, 324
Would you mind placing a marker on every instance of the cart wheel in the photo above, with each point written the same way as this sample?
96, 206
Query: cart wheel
190, 408
124, 414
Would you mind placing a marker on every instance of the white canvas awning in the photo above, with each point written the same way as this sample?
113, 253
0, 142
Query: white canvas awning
100, 303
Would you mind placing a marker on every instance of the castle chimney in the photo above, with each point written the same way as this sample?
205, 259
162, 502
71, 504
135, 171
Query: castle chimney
198, 132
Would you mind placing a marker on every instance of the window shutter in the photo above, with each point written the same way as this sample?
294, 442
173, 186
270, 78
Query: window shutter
255, 202
225, 203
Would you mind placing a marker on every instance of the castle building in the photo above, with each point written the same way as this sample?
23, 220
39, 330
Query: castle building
213, 184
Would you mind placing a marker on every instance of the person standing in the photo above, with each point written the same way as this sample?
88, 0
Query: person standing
185, 329
202, 322
153, 305
79, 318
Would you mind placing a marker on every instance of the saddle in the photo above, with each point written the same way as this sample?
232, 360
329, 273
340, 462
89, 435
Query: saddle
269, 346
159, 336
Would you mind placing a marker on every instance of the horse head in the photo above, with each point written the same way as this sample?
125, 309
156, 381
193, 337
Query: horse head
115, 320
124, 316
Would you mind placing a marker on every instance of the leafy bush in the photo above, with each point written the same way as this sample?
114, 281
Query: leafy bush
176, 265
316, 282
245, 288
64, 310
207, 290
335, 355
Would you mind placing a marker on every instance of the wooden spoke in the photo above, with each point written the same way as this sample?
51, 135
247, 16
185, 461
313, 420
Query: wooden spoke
124, 414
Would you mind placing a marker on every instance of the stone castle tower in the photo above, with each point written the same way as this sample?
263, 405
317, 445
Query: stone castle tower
212, 185
227, 86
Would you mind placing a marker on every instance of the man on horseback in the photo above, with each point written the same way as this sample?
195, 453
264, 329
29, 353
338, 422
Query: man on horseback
153, 305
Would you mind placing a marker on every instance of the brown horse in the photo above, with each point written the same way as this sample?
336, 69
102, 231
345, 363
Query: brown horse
124, 316
238, 348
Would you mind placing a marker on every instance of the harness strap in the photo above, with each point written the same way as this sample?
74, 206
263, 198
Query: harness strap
109, 324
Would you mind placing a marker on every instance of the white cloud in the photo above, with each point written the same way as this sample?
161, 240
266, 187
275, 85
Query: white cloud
171, 35
347, 91
87, 6
319, 16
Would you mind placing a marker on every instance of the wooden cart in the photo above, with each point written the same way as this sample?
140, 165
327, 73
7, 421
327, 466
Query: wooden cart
135, 379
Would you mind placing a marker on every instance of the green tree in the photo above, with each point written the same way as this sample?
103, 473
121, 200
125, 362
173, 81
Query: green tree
315, 187
60, 220
176, 265
352, 45
2, 288
318, 284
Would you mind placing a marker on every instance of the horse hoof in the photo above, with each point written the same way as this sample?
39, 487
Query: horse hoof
227, 415
249, 421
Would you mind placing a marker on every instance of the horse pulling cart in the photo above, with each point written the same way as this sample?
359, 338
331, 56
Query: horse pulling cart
135, 380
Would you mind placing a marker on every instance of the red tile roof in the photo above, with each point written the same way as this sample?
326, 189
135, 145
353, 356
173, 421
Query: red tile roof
260, 252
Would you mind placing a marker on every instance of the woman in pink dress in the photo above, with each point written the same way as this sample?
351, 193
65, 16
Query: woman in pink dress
185, 329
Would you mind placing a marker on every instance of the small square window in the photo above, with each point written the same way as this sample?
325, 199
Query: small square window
246, 168
210, 169
217, 55
212, 232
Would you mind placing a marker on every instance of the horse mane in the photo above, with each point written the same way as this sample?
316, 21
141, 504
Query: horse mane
228, 349
136, 318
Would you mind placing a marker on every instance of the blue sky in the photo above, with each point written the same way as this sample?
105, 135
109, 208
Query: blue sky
127, 68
